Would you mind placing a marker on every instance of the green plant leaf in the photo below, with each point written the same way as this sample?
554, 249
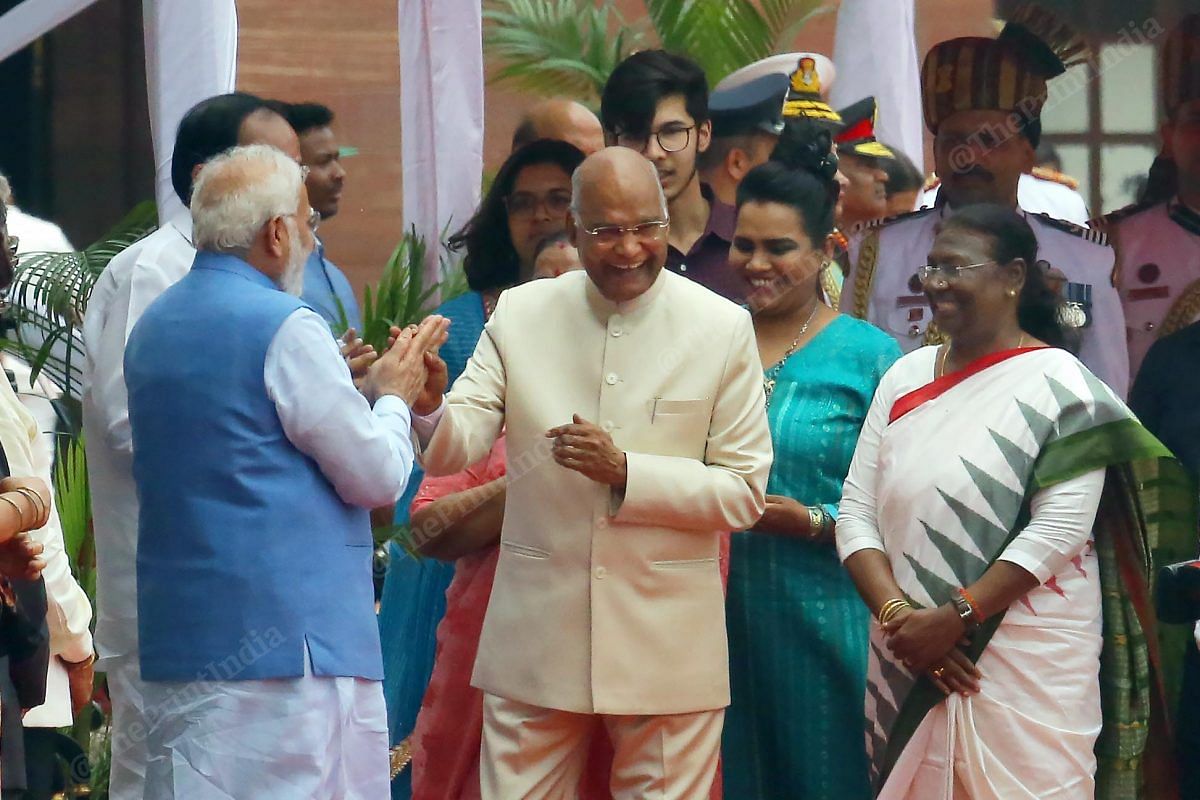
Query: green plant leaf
571, 46
50, 292
401, 297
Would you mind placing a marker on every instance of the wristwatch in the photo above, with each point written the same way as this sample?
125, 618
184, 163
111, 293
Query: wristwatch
966, 613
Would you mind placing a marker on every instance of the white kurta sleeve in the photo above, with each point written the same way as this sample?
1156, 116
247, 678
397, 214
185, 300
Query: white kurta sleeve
366, 453
726, 491
1060, 525
857, 524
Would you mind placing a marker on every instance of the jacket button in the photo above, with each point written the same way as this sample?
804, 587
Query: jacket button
611, 379
600, 572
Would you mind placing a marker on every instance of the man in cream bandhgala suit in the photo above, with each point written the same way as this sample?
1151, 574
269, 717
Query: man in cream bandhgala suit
633, 403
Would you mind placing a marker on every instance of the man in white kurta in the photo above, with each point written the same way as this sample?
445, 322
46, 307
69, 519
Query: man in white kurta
130, 282
633, 404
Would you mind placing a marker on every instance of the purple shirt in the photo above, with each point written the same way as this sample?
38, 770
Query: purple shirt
707, 263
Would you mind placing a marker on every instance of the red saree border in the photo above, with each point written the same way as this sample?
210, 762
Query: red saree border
935, 389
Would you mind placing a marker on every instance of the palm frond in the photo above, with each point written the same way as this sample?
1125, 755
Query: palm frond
73, 500
554, 46
801, 13
571, 46
402, 297
50, 292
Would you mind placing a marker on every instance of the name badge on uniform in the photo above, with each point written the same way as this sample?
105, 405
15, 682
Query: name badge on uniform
1076, 308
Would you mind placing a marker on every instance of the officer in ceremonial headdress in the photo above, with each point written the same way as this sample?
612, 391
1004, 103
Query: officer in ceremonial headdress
747, 120
859, 157
983, 100
1158, 243
808, 117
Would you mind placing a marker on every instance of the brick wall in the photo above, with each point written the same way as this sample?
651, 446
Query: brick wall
315, 49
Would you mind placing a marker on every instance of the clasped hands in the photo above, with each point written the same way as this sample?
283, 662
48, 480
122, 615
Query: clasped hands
930, 640
410, 368
589, 450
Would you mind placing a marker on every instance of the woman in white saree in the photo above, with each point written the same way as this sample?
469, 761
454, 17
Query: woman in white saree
1016, 652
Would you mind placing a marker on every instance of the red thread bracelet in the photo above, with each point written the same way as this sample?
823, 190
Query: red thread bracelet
974, 606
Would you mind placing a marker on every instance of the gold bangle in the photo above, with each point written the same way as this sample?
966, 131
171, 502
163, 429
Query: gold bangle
20, 515
39, 504
891, 608
892, 613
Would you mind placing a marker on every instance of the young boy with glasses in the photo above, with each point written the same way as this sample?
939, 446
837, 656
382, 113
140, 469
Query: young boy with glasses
657, 104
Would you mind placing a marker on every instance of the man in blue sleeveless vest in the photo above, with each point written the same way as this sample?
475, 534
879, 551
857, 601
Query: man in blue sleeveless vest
256, 460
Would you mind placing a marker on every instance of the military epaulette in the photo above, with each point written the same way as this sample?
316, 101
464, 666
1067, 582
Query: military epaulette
1054, 176
884, 221
1093, 235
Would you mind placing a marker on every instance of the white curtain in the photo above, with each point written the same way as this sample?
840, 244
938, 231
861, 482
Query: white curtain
32, 19
875, 52
191, 54
441, 115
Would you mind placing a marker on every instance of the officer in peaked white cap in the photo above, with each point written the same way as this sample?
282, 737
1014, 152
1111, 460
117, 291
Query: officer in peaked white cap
782, 64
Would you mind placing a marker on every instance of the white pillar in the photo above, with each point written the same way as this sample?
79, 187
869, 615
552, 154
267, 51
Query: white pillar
191, 54
441, 115
34, 18
875, 52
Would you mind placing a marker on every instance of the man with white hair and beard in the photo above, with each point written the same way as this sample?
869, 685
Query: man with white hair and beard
256, 460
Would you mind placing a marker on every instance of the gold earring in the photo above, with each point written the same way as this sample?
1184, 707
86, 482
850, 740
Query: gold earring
1012, 292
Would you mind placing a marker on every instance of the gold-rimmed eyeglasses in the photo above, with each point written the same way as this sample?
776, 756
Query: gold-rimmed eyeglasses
611, 234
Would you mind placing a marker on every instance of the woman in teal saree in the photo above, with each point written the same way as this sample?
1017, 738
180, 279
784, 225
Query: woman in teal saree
998, 519
797, 628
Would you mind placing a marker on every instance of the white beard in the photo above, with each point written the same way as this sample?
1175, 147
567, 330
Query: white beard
292, 280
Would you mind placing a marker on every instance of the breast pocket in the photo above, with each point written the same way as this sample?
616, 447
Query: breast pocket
675, 408
679, 427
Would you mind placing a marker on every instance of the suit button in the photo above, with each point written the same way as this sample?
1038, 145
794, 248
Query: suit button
914, 330
1150, 326
611, 378
600, 572
616, 332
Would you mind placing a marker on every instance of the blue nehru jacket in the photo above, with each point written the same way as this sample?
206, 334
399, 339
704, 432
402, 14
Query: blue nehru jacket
245, 551
329, 293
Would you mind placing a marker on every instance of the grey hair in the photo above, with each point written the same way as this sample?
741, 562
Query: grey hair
240, 191
6, 196
577, 189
